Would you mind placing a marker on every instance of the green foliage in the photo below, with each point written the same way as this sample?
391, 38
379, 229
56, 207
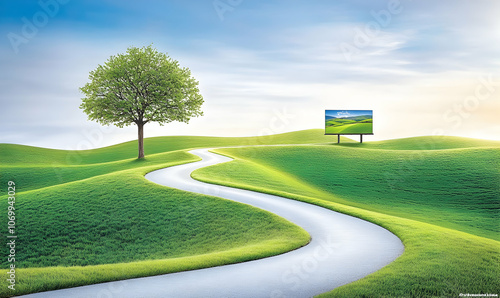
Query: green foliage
138, 87
141, 86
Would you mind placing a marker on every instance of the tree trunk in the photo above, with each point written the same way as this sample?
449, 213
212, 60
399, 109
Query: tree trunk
140, 139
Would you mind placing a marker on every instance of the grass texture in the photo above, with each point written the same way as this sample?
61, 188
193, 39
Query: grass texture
442, 203
85, 217
361, 128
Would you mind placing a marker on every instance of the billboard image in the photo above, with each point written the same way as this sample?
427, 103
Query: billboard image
348, 122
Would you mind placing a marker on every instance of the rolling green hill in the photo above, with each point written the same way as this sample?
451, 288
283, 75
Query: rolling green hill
349, 125
425, 143
95, 209
19, 155
48, 167
352, 128
90, 216
444, 187
444, 205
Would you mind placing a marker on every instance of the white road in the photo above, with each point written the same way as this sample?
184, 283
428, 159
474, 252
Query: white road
343, 249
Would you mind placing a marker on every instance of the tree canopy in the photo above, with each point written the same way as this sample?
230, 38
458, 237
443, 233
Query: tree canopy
141, 86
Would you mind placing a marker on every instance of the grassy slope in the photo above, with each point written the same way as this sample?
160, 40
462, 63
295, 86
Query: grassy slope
130, 219
351, 128
94, 207
19, 155
425, 143
438, 261
136, 220
74, 176
48, 167
456, 188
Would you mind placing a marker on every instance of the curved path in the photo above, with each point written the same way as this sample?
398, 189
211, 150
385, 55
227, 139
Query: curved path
343, 249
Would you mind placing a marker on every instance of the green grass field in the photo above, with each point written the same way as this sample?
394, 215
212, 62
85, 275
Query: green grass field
361, 128
442, 203
90, 216
349, 125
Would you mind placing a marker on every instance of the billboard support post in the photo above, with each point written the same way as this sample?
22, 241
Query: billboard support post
360, 136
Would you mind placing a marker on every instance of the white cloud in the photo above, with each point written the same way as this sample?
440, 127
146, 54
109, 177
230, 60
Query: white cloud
411, 74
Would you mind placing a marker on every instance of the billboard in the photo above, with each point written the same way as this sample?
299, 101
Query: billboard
345, 122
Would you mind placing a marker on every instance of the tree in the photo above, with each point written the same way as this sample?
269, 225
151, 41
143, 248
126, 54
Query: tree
141, 86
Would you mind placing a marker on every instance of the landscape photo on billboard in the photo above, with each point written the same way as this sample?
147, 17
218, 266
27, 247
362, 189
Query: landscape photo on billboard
348, 122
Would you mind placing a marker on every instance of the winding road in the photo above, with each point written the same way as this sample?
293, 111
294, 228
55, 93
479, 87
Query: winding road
343, 249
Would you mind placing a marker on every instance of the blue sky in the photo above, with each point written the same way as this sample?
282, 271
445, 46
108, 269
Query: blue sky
347, 113
264, 66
